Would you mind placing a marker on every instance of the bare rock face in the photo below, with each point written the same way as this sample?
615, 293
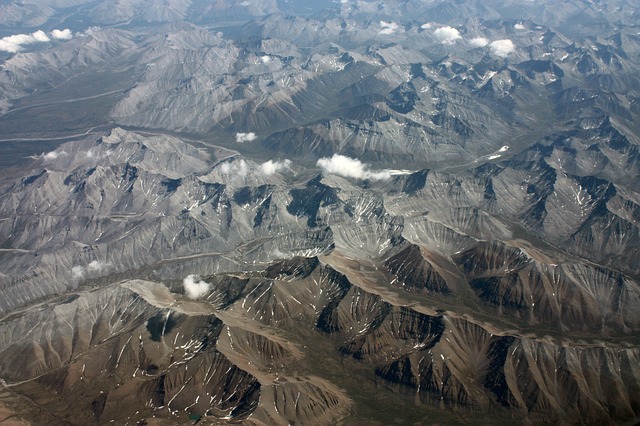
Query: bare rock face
430, 290
274, 213
136, 346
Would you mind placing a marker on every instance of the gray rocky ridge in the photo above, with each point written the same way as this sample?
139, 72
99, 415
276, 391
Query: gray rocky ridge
288, 213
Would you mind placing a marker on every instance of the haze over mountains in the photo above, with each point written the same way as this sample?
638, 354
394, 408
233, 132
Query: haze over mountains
279, 212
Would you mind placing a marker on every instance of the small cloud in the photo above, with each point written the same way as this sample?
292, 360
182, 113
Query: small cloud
40, 36
241, 168
195, 290
519, 27
478, 42
90, 31
271, 167
236, 168
350, 167
78, 272
447, 35
277, 254
65, 34
14, 43
426, 26
502, 48
265, 59
245, 137
98, 267
50, 156
388, 27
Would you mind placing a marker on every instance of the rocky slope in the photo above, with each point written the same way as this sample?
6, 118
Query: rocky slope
427, 281
358, 213
338, 83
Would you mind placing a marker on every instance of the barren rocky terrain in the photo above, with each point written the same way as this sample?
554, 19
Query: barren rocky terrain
362, 212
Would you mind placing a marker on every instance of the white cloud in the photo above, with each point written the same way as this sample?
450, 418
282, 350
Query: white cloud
65, 34
236, 168
245, 137
502, 48
90, 31
350, 167
277, 254
519, 27
96, 268
271, 167
40, 36
195, 290
265, 59
478, 42
50, 156
426, 26
77, 272
14, 43
447, 35
388, 27
241, 168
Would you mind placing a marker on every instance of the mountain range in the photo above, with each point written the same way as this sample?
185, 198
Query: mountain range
355, 212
